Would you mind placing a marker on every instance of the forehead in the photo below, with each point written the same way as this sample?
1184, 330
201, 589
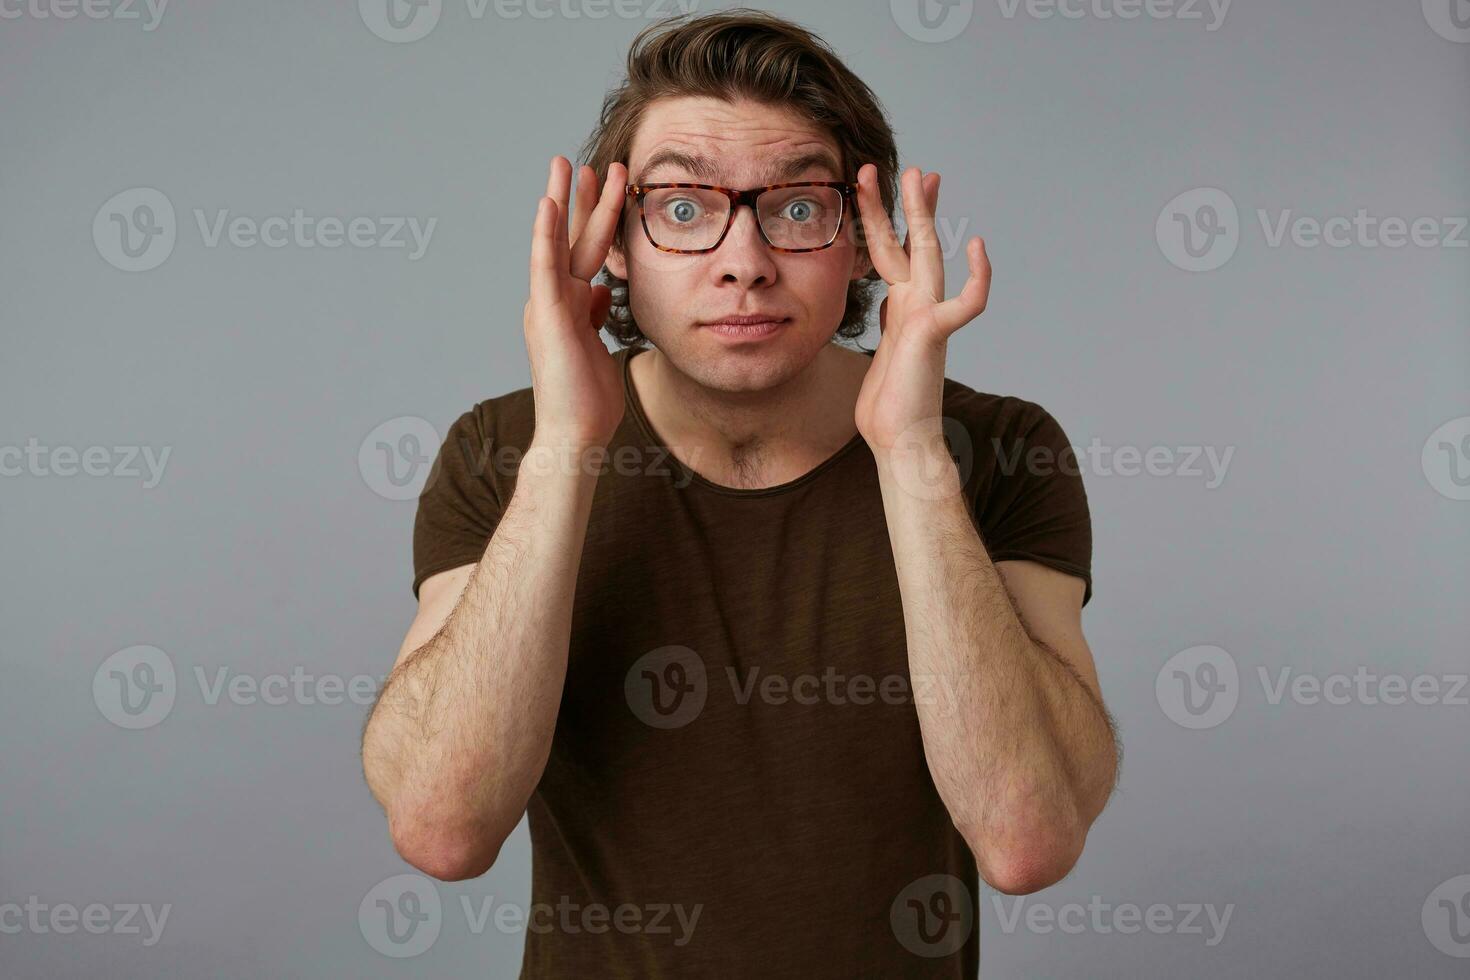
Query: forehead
736, 143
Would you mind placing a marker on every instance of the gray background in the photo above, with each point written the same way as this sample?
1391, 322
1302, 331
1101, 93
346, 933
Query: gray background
265, 547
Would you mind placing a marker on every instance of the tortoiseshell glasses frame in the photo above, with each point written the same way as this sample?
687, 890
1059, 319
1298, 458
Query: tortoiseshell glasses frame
747, 197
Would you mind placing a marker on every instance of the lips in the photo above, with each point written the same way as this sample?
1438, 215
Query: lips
747, 326
747, 318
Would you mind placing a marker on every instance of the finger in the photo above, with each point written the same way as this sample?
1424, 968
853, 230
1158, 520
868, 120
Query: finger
974, 297
585, 200
931, 194
545, 281
926, 265
559, 189
590, 249
884, 250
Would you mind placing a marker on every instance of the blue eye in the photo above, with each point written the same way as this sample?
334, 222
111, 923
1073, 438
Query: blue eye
683, 210
800, 211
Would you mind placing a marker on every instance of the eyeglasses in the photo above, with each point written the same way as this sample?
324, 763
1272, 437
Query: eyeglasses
805, 216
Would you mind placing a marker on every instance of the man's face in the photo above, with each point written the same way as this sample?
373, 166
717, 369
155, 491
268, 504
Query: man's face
675, 297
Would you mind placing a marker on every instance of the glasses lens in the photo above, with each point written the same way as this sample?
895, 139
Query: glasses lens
685, 217
800, 217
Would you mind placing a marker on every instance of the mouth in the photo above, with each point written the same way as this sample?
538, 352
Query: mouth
747, 326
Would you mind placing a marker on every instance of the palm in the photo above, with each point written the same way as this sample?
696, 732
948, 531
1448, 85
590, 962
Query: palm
579, 395
600, 400
902, 394
895, 392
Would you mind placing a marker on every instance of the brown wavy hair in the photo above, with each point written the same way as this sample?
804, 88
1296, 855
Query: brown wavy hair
734, 54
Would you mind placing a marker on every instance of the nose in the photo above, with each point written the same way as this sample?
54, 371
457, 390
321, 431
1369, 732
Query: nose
743, 257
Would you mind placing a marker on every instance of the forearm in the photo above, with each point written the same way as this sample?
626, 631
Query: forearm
1020, 749
461, 733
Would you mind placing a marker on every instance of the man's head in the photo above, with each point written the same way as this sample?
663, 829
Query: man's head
739, 99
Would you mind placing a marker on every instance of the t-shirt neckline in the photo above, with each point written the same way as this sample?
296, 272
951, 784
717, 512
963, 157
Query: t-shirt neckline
690, 477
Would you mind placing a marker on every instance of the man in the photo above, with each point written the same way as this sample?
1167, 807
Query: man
773, 674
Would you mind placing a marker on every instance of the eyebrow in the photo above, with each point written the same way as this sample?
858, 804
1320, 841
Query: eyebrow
776, 171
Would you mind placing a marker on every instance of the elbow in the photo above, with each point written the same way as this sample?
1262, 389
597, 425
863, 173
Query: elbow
445, 853
1024, 873
1030, 861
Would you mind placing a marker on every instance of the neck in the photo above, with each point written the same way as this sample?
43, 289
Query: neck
753, 439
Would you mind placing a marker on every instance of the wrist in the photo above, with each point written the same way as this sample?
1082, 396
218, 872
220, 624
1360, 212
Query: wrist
920, 467
555, 455
568, 439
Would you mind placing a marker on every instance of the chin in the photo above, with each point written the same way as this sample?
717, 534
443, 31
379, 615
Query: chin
758, 366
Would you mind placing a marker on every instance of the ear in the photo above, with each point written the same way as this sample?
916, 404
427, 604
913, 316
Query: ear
862, 266
616, 262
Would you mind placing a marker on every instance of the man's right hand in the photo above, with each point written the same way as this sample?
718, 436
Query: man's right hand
578, 391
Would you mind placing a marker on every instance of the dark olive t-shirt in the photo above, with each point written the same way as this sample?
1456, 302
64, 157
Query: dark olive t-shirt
737, 784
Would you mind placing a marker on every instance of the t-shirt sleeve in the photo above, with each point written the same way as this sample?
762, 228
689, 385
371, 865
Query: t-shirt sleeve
1036, 509
459, 506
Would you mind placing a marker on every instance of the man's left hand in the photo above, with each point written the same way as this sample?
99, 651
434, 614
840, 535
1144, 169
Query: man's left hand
900, 405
